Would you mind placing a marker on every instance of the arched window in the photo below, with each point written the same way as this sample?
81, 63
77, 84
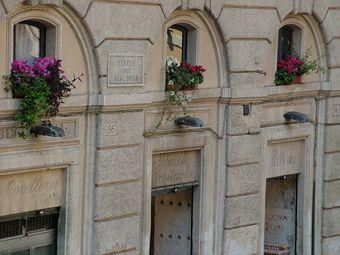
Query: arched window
181, 43
32, 39
289, 41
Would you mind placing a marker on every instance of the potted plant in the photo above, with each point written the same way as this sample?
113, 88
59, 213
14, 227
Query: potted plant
182, 80
41, 88
290, 70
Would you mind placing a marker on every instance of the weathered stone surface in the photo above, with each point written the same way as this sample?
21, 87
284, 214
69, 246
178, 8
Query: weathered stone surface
332, 138
119, 164
246, 80
285, 158
52, 2
320, 9
334, 77
332, 194
120, 128
331, 219
79, 6
248, 23
332, 166
242, 211
334, 53
196, 4
169, 6
241, 124
11, 4
333, 110
242, 179
330, 27
244, 149
330, 246
175, 168
306, 6
247, 55
116, 235
122, 47
2, 13
119, 20
118, 199
283, 7
216, 8
45, 188
247, 84
273, 113
241, 241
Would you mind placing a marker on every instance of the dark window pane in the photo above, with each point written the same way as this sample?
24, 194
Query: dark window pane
23, 252
285, 42
45, 250
11, 228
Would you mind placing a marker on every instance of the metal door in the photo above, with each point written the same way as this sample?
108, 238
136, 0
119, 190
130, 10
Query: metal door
172, 224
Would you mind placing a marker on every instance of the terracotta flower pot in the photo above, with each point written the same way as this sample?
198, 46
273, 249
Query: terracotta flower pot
297, 79
16, 93
173, 87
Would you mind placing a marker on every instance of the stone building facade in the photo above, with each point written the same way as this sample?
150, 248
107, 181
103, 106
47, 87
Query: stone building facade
248, 178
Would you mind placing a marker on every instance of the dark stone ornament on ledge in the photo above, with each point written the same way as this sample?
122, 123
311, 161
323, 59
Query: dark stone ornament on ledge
298, 116
188, 122
48, 130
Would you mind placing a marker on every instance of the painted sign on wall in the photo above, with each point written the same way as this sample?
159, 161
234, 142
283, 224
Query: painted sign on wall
175, 168
30, 191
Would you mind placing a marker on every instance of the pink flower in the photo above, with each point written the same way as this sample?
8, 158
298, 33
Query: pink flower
291, 64
192, 68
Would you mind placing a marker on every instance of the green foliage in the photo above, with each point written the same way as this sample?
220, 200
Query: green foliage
282, 77
182, 80
308, 66
41, 87
35, 105
292, 66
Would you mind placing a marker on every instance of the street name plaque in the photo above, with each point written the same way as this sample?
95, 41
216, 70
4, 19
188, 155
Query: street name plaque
125, 70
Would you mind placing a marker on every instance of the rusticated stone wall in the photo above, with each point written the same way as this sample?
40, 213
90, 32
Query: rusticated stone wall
107, 159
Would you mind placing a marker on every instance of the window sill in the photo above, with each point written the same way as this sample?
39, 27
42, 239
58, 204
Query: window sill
297, 89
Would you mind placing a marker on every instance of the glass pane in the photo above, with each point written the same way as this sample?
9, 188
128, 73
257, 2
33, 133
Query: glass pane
23, 252
45, 250
27, 42
175, 43
286, 42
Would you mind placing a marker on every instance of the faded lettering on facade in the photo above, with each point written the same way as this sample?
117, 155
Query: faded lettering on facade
125, 70
175, 168
31, 191
285, 158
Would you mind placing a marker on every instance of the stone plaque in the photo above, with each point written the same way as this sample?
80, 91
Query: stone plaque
285, 158
125, 70
30, 191
175, 168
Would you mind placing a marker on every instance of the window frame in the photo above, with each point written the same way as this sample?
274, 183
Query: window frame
190, 41
185, 32
296, 40
42, 35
